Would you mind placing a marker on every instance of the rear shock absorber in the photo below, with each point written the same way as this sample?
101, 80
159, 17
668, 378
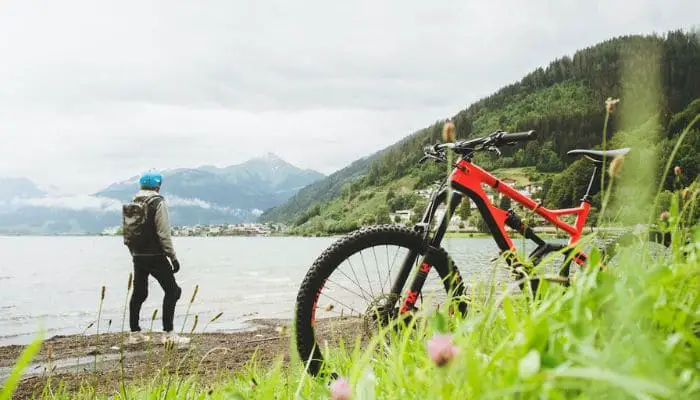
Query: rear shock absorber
514, 222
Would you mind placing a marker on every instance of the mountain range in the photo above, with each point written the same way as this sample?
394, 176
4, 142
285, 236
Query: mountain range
203, 195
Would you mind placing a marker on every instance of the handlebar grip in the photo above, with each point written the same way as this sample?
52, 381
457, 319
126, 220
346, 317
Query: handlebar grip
518, 137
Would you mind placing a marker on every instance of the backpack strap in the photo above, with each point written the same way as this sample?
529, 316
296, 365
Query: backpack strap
152, 204
152, 199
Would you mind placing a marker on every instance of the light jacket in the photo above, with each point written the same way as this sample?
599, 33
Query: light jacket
162, 225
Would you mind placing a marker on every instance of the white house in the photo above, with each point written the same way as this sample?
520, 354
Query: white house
404, 215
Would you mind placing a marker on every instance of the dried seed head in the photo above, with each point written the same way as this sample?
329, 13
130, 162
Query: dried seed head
102, 293
665, 216
677, 170
610, 104
616, 166
685, 194
328, 307
155, 315
90, 326
194, 325
194, 294
449, 132
131, 279
217, 316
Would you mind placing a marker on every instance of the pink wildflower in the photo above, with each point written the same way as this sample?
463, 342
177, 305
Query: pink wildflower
441, 349
340, 389
677, 170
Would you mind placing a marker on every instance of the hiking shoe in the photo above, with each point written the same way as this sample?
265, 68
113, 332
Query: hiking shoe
137, 338
174, 338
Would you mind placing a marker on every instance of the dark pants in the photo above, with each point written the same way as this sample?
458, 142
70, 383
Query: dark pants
160, 268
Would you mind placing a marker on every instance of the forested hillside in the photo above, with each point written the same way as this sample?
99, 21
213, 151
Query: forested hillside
564, 102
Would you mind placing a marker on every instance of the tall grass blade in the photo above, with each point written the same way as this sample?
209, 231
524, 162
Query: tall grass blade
28, 354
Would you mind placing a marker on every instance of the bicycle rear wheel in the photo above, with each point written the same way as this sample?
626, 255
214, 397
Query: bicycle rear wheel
340, 298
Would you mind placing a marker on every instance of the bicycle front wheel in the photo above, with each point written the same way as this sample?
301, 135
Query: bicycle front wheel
341, 295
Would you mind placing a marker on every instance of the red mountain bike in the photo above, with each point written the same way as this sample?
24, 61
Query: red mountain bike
339, 300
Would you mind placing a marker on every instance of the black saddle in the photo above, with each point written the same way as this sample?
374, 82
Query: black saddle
597, 156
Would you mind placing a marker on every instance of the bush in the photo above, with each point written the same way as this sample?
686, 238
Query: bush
478, 222
402, 201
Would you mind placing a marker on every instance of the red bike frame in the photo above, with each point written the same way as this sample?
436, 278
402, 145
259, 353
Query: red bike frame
468, 178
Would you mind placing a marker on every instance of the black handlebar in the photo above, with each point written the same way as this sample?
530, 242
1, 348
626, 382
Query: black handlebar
490, 142
518, 137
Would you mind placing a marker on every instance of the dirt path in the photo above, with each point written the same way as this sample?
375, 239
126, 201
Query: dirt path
71, 359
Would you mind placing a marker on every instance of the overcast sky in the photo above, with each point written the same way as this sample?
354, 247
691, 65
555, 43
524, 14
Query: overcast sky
96, 91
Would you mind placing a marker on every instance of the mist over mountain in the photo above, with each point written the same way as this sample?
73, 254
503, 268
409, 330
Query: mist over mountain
205, 195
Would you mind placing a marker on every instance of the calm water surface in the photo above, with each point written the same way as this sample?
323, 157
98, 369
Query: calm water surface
54, 282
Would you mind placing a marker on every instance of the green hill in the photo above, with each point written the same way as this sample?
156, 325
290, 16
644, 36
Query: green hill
564, 102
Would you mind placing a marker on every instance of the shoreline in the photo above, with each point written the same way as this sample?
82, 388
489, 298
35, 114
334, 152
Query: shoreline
545, 231
74, 360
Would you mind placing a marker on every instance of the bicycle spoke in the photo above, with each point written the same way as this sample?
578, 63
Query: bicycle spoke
341, 303
379, 273
388, 268
357, 283
346, 289
396, 253
355, 275
366, 274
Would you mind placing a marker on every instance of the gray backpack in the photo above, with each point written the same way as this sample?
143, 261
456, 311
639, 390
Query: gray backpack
134, 219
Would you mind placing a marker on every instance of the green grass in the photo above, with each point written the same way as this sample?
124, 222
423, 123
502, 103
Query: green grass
10, 384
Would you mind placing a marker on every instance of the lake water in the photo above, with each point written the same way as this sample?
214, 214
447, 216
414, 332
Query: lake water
55, 282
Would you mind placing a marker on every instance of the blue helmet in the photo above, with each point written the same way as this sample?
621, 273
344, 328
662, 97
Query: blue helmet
151, 180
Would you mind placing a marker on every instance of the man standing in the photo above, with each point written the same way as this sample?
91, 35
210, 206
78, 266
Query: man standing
146, 228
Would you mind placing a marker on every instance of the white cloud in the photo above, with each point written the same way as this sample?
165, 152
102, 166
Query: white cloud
75, 203
93, 92
106, 204
174, 201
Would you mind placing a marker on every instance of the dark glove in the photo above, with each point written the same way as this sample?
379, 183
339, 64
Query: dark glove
176, 265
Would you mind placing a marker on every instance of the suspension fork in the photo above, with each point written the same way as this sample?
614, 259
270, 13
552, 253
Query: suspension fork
431, 247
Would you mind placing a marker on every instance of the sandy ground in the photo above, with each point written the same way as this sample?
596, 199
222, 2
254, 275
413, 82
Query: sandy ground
70, 360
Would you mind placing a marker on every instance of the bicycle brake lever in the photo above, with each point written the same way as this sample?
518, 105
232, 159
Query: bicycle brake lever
494, 149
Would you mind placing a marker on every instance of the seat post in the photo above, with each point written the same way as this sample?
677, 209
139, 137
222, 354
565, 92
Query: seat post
593, 185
